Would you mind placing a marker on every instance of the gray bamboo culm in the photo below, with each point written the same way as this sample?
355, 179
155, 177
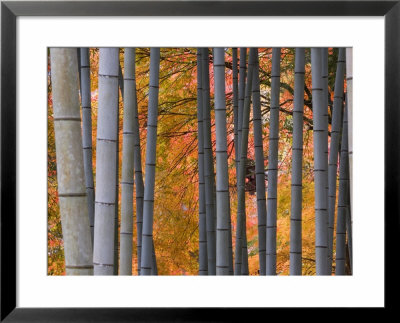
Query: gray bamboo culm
259, 168
273, 164
297, 166
87, 133
203, 261
137, 155
127, 183
116, 216
70, 162
208, 167
342, 200
349, 229
222, 183
235, 101
320, 170
349, 223
242, 88
334, 149
139, 185
325, 90
103, 253
240, 222
245, 254
349, 91
230, 245
148, 205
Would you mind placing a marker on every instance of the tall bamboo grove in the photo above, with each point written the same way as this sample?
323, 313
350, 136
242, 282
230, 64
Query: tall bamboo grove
229, 100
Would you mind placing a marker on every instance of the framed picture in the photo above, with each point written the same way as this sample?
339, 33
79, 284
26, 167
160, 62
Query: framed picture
370, 27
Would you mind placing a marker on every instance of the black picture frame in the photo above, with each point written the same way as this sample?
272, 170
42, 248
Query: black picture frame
10, 10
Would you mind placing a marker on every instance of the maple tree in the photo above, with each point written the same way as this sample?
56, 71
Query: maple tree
176, 195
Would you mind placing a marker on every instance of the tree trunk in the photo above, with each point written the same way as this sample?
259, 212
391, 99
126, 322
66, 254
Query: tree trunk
320, 171
208, 168
241, 208
343, 200
297, 166
203, 262
148, 207
222, 192
273, 163
260, 171
126, 232
87, 132
70, 168
334, 149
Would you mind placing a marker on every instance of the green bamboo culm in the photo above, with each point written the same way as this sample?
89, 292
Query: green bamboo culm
147, 256
297, 161
273, 164
70, 162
